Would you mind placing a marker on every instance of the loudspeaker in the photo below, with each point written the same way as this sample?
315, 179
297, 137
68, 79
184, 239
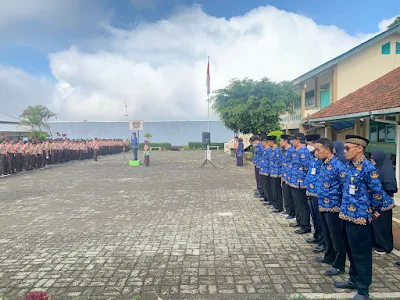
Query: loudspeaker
205, 138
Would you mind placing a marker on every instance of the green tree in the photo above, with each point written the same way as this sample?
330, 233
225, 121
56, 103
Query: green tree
250, 106
148, 135
37, 118
395, 22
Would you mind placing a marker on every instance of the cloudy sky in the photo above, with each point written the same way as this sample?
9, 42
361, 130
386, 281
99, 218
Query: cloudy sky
85, 59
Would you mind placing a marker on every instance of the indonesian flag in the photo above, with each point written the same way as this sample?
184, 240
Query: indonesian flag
208, 77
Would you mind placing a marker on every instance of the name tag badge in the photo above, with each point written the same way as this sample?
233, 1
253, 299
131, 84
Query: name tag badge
313, 171
352, 189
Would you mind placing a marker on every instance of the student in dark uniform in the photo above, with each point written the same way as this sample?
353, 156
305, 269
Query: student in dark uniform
382, 239
361, 202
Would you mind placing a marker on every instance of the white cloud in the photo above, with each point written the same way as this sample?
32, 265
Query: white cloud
159, 68
19, 90
383, 25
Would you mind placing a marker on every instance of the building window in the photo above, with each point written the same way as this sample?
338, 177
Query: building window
397, 47
310, 98
386, 48
390, 133
382, 132
373, 133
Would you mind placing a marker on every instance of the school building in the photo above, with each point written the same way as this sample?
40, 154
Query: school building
357, 92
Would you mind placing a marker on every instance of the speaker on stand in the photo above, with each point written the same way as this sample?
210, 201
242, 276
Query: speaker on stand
205, 140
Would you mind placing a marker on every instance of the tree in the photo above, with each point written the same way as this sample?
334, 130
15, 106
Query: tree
250, 106
148, 135
394, 23
37, 117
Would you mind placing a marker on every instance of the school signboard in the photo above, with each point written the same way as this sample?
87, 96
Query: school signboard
135, 125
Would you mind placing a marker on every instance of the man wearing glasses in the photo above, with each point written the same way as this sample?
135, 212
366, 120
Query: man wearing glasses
361, 201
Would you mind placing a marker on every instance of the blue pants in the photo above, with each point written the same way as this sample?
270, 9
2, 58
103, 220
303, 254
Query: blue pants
135, 153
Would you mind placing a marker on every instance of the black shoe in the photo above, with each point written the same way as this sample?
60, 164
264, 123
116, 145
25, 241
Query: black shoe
311, 240
397, 263
302, 231
334, 272
360, 297
276, 211
319, 249
322, 260
347, 284
294, 224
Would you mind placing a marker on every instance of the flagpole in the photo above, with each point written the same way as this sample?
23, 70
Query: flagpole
208, 104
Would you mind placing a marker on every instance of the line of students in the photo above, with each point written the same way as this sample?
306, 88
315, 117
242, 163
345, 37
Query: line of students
29, 155
350, 204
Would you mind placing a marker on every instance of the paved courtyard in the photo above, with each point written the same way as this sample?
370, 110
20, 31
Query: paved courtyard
104, 230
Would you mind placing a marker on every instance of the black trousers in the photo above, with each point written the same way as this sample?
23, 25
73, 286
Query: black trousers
2, 164
277, 192
18, 162
11, 163
95, 155
333, 234
257, 173
301, 206
268, 192
359, 250
26, 161
382, 232
239, 161
288, 200
316, 218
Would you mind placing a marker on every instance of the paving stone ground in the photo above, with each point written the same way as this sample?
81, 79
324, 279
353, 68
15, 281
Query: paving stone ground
104, 230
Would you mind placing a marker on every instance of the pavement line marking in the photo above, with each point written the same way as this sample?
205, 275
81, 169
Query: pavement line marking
394, 295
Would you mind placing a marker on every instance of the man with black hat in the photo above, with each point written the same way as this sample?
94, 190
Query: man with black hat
311, 191
275, 176
329, 191
361, 201
300, 161
288, 152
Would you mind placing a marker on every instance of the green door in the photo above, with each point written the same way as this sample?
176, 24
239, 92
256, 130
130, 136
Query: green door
325, 98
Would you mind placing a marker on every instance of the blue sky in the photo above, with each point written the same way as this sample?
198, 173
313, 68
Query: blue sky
31, 53
68, 49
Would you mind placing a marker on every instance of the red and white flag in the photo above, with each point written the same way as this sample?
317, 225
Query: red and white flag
208, 77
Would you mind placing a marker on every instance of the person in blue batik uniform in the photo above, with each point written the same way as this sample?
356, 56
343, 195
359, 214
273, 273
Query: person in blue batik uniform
382, 238
311, 191
239, 153
135, 145
264, 171
275, 177
258, 150
299, 167
288, 152
329, 191
361, 201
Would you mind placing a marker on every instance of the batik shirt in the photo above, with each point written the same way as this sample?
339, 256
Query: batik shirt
286, 161
329, 185
258, 150
387, 202
276, 162
264, 164
299, 167
312, 175
362, 192
240, 149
